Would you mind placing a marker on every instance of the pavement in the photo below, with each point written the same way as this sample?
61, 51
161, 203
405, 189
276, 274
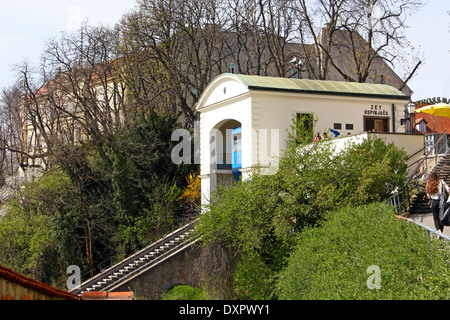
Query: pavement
427, 219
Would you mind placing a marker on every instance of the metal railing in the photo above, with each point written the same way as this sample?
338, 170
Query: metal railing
170, 251
399, 202
427, 229
108, 263
429, 150
412, 182
106, 273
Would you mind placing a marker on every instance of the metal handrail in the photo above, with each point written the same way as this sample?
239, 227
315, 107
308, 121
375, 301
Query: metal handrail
444, 134
398, 201
134, 257
428, 229
108, 263
145, 265
421, 159
414, 174
414, 154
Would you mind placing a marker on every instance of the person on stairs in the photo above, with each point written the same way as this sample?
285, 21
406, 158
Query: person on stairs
436, 188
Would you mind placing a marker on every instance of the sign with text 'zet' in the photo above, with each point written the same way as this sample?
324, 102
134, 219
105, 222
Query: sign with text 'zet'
376, 110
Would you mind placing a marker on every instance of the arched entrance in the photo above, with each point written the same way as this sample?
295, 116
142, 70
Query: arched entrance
226, 153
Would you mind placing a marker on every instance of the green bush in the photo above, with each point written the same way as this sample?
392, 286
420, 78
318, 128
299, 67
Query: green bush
145, 182
185, 292
36, 234
101, 199
257, 219
331, 262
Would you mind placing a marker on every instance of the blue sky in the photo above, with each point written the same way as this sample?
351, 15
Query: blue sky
25, 25
429, 30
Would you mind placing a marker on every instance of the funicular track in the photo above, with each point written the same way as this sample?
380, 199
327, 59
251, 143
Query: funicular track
142, 260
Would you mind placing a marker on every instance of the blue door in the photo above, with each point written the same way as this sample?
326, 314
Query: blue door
236, 149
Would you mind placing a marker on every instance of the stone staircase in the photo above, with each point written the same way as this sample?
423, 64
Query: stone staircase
419, 204
443, 168
141, 260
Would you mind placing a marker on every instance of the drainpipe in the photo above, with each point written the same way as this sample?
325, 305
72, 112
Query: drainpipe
393, 118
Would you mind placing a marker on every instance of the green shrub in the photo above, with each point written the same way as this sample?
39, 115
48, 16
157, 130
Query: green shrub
145, 182
37, 237
101, 199
185, 292
254, 280
331, 262
257, 218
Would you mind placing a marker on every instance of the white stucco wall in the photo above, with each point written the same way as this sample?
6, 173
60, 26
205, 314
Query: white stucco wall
275, 110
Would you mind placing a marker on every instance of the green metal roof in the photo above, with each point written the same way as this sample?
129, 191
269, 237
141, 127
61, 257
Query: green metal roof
336, 88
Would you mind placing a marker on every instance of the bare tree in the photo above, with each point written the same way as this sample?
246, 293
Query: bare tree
258, 36
75, 96
13, 145
86, 88
177, 46
361, 40
182, 45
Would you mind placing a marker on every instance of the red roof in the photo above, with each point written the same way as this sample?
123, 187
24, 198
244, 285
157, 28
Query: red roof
35, 285
106, 295
420, 120
435, 124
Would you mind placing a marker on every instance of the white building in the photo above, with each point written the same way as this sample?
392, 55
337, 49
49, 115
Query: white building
263, 109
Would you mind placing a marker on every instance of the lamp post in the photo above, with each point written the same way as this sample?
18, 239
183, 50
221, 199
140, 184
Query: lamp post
410, 109
298, 64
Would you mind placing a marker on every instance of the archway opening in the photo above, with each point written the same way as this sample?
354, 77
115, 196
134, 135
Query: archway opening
226, 152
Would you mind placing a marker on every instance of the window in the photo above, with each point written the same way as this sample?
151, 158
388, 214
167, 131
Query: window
70, 105
77, 134
376, 124
231, 67
304, 127
349, 126
422, 127
337, 126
